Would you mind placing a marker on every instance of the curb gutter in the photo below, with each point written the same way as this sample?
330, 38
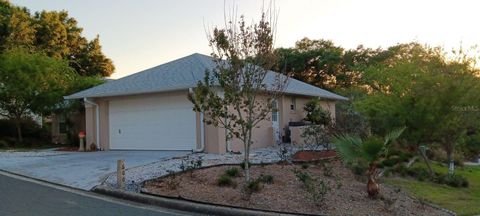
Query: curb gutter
181, 204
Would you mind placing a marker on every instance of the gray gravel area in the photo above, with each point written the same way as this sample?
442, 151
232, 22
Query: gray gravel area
136, 175
9, 154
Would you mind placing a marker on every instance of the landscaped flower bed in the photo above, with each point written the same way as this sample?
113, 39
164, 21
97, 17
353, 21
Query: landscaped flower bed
322, 188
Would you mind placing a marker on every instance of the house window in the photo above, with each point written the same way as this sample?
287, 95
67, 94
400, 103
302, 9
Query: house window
62, 124
293, 104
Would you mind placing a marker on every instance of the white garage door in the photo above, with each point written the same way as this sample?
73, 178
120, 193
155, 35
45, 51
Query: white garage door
152, 123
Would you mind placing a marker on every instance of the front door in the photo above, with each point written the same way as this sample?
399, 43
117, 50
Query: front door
275, 122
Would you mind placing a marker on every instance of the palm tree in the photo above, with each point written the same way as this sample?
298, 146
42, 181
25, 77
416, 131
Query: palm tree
372, 150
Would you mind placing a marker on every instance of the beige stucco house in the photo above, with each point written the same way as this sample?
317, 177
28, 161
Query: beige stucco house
149, 110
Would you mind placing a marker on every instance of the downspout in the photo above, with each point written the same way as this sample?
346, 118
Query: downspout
202, 135
97, 121
202, 130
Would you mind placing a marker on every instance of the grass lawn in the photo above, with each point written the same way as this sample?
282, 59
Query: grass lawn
464, 201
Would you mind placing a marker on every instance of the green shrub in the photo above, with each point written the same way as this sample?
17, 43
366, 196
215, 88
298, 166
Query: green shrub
305, 166
317, 190
327, 170
359, 168
3, 144
266, 179
401, 169
242, 165
225, 180
233, 172
390, 162
451, 180
189, 164
417, 172
302, 176
470, 148
253, 186
316, 114
405, 156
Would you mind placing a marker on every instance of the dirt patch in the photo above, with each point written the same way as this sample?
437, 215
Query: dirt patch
303, 156
346, 195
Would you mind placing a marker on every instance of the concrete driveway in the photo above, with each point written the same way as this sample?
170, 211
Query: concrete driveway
82, 170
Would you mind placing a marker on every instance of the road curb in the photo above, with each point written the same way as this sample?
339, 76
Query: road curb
182, 205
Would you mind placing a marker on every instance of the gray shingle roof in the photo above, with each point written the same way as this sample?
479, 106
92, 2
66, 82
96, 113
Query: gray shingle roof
179, 74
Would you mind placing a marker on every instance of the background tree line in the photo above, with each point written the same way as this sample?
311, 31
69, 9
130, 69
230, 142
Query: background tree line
55, 34
433, 93
43, 57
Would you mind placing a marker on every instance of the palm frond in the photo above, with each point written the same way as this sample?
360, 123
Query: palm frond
347, 147
393, 135
372, 148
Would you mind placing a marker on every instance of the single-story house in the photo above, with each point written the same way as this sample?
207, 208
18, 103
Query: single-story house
149, 110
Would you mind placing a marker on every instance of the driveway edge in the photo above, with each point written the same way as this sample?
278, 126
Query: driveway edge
183, 205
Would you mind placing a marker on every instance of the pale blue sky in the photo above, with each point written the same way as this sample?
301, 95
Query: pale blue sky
139, 34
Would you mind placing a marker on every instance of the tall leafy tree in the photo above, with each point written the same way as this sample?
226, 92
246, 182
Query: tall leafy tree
313, 61
54, 33
21, 28
31, 83
91, 60
420, 88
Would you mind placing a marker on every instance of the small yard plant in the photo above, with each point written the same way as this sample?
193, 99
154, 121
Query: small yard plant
302, 176
266, 179
338, 182
232, 172
173, 182
327, 170
253, 186
358, 168
372, 149
285, 152
317, 189
305, 166
225, 180
189, 164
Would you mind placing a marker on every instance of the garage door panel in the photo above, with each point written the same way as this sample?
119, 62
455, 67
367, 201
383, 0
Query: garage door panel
162, 123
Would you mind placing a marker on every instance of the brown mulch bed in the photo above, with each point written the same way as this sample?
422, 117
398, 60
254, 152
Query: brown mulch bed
313, 155
347, 196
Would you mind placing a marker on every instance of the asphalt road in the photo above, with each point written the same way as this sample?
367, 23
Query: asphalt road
24, 197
